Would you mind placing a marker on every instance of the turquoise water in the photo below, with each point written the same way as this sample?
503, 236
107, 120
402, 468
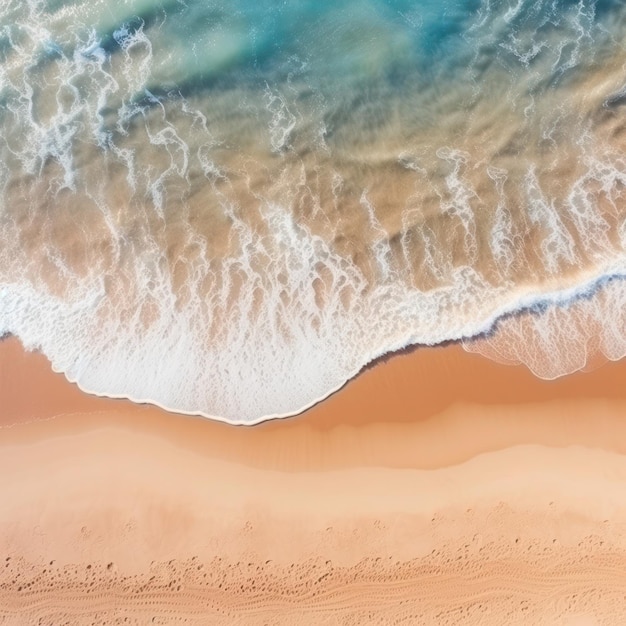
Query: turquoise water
229, 208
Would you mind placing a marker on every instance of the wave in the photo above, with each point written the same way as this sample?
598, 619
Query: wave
230, 213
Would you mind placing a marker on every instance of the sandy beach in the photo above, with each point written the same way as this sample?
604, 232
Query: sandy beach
488, 497
229, 209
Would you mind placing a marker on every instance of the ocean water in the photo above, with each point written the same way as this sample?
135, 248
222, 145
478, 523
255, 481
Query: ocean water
229, 208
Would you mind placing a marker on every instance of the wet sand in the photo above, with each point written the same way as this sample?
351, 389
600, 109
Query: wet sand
436, 488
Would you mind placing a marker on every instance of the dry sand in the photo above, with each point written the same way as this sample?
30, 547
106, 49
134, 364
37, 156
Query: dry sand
436, 488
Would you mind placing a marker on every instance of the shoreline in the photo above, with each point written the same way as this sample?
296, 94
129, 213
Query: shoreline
526, 303
443, 375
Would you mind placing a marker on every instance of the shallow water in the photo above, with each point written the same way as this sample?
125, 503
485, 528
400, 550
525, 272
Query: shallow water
230, 208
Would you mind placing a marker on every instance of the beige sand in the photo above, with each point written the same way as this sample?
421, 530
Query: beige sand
437, 488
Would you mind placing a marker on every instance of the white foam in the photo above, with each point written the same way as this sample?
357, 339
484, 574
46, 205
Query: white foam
460, 198
557, 244
502, 235
282, 120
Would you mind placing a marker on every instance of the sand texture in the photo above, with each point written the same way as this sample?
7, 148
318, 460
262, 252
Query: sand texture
498, 502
